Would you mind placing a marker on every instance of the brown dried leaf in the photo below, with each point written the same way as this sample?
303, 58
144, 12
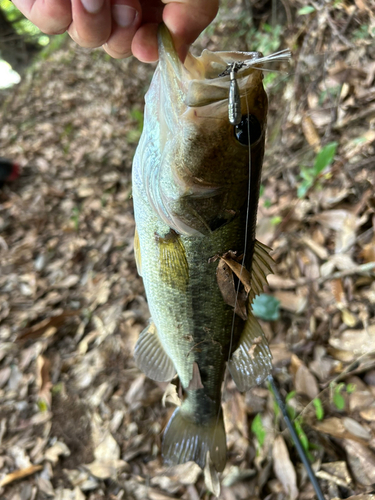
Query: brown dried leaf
310, 132
338, 471
239, 270
20, 474
225, 281
291, 301
283, 468
305, 382
336, 428
43, 380
362, 462
355, 342
46, 327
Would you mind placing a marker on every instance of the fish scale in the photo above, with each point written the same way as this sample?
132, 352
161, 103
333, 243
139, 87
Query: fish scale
195, 219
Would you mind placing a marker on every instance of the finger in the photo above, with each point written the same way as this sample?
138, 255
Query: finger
186, 19
145, 43
50, 16
92, 22
126, 18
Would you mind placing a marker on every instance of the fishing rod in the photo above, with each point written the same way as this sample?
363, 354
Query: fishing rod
296, 440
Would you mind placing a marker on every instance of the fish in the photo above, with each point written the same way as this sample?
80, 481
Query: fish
195, 187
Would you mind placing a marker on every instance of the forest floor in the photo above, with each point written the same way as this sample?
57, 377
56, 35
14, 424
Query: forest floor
77, 418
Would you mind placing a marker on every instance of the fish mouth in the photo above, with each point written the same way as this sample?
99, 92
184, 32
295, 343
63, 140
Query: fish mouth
201, 81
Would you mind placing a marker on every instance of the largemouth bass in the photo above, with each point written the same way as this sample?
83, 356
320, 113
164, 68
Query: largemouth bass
195, 192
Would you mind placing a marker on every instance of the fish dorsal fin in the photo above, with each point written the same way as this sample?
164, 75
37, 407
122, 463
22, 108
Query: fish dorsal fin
137, 252
150, 356
251, 361
261, 268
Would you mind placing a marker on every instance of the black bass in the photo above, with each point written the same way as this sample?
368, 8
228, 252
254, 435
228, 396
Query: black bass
195, 192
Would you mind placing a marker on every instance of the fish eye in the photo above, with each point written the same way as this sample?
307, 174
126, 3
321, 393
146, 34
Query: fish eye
248, 126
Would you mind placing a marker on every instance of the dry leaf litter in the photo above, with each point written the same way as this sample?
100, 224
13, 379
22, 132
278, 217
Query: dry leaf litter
77, 418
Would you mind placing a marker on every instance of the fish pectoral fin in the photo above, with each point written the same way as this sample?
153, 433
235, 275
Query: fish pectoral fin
186, 440
261, 268
137, 252
250, 363
151, 358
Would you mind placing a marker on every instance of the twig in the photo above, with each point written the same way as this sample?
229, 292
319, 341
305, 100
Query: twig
362, 269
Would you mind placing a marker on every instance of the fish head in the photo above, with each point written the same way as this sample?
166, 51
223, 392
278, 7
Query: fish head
205, 161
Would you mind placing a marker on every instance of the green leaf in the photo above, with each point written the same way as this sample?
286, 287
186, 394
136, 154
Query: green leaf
42, 405
324, 157
338, 398
291, 412
276, 220
308, 174
303, 188
258, 429
319, 412
290, 396
302, 435
266, 307
308, 9
350, 388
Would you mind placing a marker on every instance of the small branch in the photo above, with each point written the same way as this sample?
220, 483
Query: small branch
363, 269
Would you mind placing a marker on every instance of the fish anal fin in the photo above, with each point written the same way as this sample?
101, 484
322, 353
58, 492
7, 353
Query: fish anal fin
186, 440
137, 252
250, 363
174, 267
151, 358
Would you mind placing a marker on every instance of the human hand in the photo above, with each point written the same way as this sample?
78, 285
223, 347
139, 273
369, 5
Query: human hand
123, 27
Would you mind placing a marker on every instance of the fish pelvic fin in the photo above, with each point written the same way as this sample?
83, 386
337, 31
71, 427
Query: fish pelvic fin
250, 363
150, 356
187, 440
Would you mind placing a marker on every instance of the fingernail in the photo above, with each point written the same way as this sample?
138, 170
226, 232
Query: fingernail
92, 6
124, 15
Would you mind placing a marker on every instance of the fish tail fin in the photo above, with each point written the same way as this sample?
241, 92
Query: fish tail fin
185, 440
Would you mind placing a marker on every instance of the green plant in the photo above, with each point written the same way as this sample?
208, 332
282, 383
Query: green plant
21, 24
258, 429
266, 307
265, 40
307, 9
337, 398
319, 411
310, 175
275, 221
361, 33
75, 217
134, 134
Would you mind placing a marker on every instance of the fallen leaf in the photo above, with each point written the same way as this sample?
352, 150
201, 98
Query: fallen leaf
362, 462
283, 468
20, 474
